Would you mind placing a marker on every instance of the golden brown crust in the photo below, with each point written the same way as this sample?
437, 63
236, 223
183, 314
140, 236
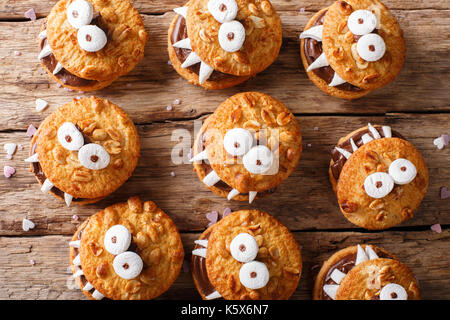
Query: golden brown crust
400, 204
278, 249
319, 82
262, 115
124, 49
335, 258
191, 76
363, 74
262, 43
365, 280
158, 244
105, 124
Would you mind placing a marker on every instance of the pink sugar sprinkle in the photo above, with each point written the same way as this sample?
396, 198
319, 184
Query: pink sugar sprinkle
30, 14
173, 174
59, 85
302, 9
8, 171
31, 131
169, 62
32, 262
316, 128
436, 228
169, 108
444, 193
176, 102
17, 53
75, 217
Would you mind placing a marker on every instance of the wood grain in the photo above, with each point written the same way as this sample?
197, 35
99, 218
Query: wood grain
50, 279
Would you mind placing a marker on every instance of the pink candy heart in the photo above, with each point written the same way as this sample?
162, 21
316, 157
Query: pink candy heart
8, 171
212, 217
226, 212
445, 193
436, 228
31, 130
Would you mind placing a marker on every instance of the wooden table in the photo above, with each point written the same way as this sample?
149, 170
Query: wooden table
416, 104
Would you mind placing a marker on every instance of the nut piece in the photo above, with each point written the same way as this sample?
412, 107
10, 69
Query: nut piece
118, 164
112, 146
59, 155
266, 7
236, 115
114, 134
253, 8
345, 7
407, 213
205, 36
96, 250
133, 286
252, 125
349, 207
102, 270
381, 215
290, 154
135, 205
99, 134
268, 117
81, 176
376, 204
284, 118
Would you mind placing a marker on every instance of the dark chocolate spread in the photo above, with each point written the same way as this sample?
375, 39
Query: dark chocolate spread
179, 33
313, 49
65, 76
345, 265
339, 159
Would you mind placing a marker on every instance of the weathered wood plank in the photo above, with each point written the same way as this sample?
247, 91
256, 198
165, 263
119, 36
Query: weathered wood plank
304, 201
14, 9
424, 252
421, 86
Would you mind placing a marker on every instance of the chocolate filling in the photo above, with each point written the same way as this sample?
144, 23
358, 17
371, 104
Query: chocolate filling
313, 49
345, 265
340, 160
179, 33
65, 76
199, 271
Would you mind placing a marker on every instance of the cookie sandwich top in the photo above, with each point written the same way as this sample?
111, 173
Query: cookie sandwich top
129, 251
354, 45
379, 177
365, 272
248, 254
239, 38
84, 150
84, 41
252, 143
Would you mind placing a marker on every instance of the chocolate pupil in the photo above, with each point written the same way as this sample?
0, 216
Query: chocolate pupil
242, 247
94, 158
378, 184
222, 7
258, 162
88, 37
75, 14
360, 21
393, 295
114, 239
372, 48
253, 274
126, 266
236, 144
403, 168
68, 138
230, 36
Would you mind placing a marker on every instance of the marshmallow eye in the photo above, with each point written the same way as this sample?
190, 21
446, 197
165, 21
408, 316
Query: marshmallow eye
258, 160
378, 185
91, 38
393, 291
254, 275
93, 156
231, 36
79, 13
223, 10
237, 141
117, 239
70, 137
128, 265
362, 22
244, 247
402, 171
371, 47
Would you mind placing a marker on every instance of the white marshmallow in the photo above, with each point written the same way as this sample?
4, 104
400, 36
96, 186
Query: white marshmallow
200, 252
33, 158
88, 287
313, 33
182, 11
252, 196
27, 224
231, 36
331, 290
41, 104
223, 10
93, 156
97, 295
353, 144
387, 132
79, 13
378, 185
70, 137
320, 62
183, 44
47, 186
46, 51
337, 80
402, 171
91, 38
258, 160
128, 265
233, 193
371, 47
337, 276
43, 34
254, 275
78, 273
214, 295
77, 261
238, 141
203, 243
366, 138
360, 255
68, 198
344, 152
205, 72
211, 179
117, 239
393, 291
58, 68
362, 22
200, 156
374, 131
75, 244
371, 253
244, 247
191, 59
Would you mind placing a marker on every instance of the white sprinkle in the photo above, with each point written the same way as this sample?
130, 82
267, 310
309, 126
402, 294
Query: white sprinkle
41, 105
176, 102
17, 53
32, 262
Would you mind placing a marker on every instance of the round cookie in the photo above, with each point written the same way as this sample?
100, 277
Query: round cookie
272, 128
154, 239
396, 201
258, 20
310, 50
276, 249
125, 40
217, 80
105, 135
341, 45
369, 279
343, 260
